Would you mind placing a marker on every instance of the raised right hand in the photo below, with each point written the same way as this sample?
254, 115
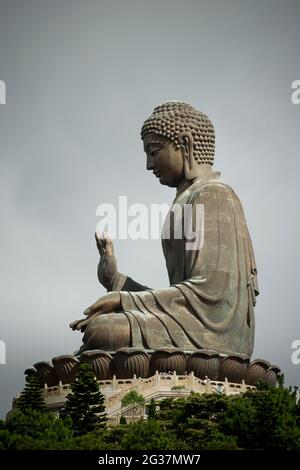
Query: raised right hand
107, 267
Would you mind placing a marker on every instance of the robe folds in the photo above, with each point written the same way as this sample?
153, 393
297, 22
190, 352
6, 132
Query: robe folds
211, 298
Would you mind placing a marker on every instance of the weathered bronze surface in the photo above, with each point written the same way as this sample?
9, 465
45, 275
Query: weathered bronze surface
211, 298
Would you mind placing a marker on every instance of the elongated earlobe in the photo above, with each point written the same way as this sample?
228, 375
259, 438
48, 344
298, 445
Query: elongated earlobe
186, 142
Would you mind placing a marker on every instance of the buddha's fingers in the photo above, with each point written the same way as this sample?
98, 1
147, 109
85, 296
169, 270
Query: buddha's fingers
94, 308
100, 244
108, 303
83, 324
75, 325
109, 247
80, 324
107, 243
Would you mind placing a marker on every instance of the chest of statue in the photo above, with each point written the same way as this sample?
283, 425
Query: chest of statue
173, 238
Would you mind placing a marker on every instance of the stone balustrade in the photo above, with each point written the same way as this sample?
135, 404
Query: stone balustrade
158, 386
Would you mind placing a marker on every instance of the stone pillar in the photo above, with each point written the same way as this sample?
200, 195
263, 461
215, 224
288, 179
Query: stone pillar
208, 387
192, 381
174, 379
226, 387
134, 380
114, 383
157, 378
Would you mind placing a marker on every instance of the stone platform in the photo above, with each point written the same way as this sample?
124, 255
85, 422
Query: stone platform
166, 372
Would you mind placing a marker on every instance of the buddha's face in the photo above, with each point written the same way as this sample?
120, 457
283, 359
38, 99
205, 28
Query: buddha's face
164, 159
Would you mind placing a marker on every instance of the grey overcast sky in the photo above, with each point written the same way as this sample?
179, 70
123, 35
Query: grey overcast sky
81, 77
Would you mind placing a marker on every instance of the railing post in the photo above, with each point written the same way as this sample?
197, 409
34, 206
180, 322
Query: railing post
192, 381
226, 387
208, 386
174, 379
134, 380
139, 384
114, 383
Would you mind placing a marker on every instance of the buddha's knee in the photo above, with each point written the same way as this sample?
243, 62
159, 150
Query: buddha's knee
108, 332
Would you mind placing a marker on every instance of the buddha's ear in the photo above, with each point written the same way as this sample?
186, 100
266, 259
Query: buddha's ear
186, 141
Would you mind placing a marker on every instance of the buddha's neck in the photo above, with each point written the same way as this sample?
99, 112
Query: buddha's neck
203, 171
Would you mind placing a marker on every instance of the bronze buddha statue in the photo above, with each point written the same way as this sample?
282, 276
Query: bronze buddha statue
210, 301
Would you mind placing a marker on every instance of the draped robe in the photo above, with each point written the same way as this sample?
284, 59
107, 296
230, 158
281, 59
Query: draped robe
211, 298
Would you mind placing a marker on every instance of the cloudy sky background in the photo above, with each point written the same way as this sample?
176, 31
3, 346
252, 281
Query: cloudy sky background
81, 77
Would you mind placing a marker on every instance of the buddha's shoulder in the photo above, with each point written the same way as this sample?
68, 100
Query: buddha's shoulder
210, 187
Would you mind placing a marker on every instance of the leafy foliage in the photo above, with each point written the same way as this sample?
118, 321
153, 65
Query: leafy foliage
123, 420
34, 430
268, 418
147, 435
85, 404
32, 396
152, 413
265, 419
133, 398
135, 403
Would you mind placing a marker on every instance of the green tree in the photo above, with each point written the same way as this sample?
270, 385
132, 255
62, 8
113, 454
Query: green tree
152, 413
196, 419
147, 435
32, 396
34, 430
263, 419
239, 418
85, 403
280, 380
123, 420
134, 401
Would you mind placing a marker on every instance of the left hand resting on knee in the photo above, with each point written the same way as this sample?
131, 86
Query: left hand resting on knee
110, 302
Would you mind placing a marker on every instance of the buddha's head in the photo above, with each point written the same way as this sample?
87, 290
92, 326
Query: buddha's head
179, 142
